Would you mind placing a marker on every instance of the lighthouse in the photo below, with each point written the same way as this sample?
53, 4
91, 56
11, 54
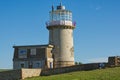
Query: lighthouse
61, 26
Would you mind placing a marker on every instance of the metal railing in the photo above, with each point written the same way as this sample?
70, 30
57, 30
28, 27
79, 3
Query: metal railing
52, 23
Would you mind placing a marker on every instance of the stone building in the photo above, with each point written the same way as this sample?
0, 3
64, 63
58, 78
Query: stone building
61, 54
114, 60
33, 56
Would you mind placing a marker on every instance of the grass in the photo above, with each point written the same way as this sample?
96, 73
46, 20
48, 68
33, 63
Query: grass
103, 74
1, 70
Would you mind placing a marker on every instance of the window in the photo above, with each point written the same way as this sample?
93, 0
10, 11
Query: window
22, 53
33, 51
22, 65
38, 65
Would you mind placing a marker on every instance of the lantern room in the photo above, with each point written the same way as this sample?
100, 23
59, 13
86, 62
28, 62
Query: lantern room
60, 16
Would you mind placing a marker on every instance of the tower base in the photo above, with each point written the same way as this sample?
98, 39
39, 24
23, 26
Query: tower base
58, 64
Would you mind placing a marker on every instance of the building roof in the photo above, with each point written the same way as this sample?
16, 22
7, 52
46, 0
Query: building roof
26, 46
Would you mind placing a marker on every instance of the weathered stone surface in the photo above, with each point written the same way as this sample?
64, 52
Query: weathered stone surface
30, 73
61, 70
19, 74
25, 73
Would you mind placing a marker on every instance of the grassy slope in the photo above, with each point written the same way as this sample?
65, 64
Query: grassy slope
1, 70
103, 74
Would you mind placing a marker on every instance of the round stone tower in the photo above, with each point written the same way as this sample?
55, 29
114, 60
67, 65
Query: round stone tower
60, 28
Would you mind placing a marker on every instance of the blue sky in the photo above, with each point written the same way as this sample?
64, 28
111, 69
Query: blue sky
97, 34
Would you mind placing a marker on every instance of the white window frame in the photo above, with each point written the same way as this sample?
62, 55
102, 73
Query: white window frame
33, 51
22, 53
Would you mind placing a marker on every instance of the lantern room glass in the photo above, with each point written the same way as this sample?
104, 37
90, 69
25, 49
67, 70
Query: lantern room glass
60, 15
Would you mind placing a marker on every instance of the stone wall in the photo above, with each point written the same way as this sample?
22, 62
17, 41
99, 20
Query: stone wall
30, 73
114, 61
19, 74
25, 73
82, 67
10, 75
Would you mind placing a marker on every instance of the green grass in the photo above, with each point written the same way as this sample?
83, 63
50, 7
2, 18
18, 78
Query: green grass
103, 74
1, 70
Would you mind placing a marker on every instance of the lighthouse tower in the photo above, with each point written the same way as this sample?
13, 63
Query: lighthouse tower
60, 28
